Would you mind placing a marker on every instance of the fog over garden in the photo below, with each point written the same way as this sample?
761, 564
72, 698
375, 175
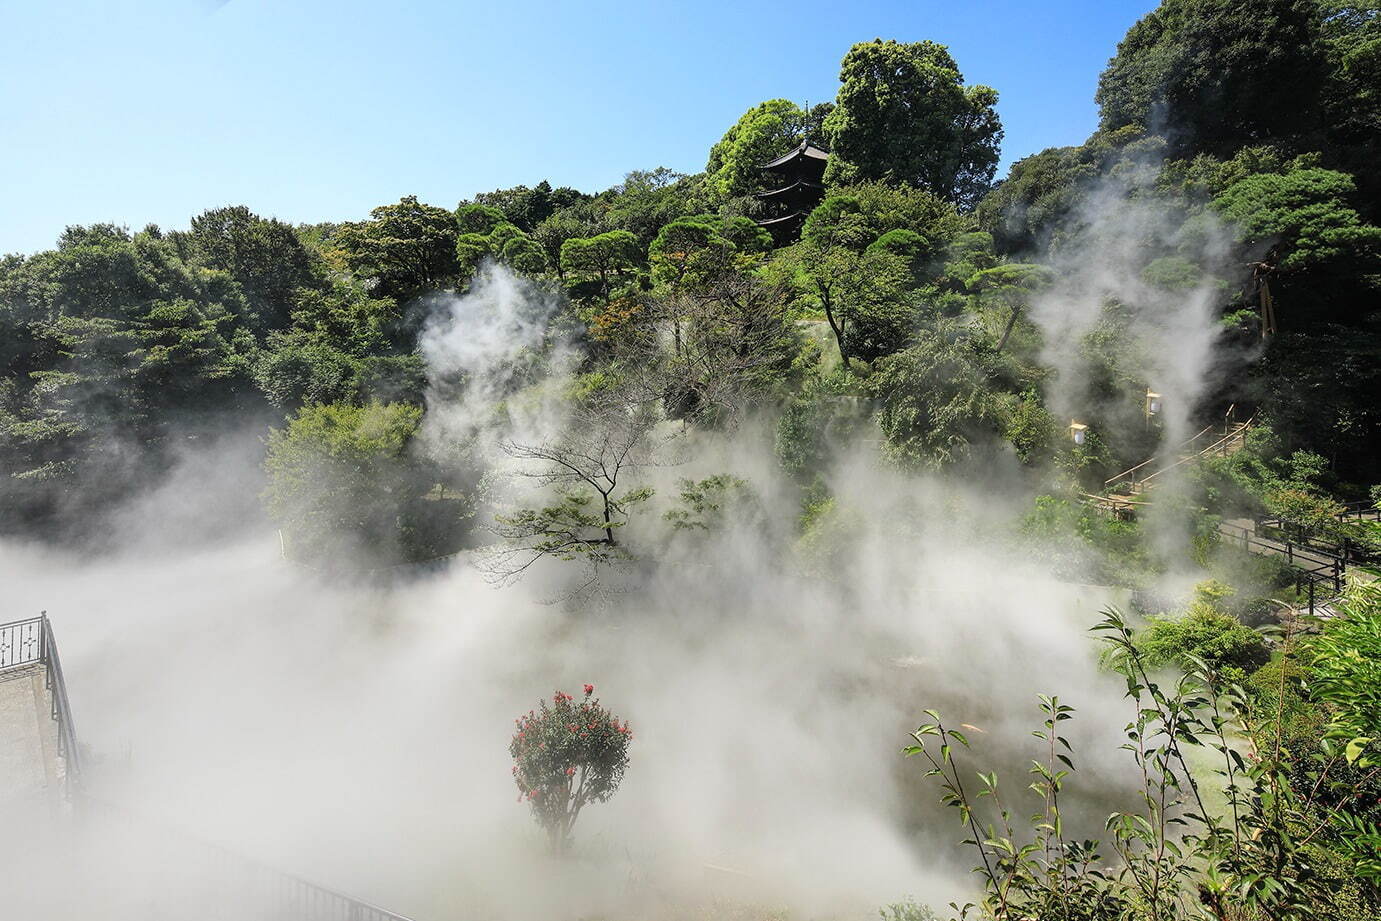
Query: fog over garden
845, 529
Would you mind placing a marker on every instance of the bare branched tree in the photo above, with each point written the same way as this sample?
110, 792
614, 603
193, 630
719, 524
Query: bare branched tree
716, 349
586, 474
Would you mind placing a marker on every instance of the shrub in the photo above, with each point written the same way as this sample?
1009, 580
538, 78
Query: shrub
565, 756
907, 910
1205, 633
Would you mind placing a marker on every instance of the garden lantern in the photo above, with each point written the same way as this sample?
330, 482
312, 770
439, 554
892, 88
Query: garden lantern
1078, 432
1153, 403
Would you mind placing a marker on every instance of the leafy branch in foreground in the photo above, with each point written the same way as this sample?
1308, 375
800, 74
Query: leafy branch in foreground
1239, 849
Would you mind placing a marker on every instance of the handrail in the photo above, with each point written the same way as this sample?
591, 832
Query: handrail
1151, 460
62, 708
1330, 568
1221, 443
32, 641
1363, 508
1112, 501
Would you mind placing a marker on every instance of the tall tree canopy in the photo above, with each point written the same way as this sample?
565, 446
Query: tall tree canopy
408, 248
1217, 74
905, 115
263, 255
529, 207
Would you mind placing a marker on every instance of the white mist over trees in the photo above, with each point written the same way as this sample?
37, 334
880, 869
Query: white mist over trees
319, 510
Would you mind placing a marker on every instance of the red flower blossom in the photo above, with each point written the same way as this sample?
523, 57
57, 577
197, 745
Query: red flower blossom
589, 689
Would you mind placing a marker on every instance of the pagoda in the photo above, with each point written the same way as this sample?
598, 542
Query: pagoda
801, 174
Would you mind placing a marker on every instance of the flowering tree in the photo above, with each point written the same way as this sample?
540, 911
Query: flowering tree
566, 755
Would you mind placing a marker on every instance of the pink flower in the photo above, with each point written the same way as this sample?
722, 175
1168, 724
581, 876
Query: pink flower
589, 689
570, 772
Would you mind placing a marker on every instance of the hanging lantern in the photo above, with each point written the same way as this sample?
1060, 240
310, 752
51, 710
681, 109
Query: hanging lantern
1153, 403
1078, 432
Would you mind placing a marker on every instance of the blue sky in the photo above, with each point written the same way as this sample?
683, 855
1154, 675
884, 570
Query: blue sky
139, 111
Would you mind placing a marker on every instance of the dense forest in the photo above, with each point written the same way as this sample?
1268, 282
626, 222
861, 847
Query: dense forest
1211, 252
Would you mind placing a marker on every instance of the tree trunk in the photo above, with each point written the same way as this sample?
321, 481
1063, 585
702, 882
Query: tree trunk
837, 328
1011, 322
608, 521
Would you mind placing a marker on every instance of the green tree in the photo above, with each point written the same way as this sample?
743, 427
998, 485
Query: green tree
528, 207
1304, 216
120, 342
263, 255
408, 249
1218, 74
686, 251
745, 233
856, 216
1352, 39
1011, 284
502, 241
862, 296
344, 481
552, 233
1204, 633
648, 200
605, 261
1345, 665
935, 403
296, 369
478, 219
904, 115
588, 499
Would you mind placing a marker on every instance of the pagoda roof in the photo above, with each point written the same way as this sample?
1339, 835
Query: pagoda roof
806, 151
784, 221
800, 185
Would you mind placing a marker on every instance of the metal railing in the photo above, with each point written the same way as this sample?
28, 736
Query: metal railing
21, 642
224, 884
301, 900
1314, 564
1363, 510
1227, 444
1337, 544
31, 642
1117, 506
279, 895
62, 708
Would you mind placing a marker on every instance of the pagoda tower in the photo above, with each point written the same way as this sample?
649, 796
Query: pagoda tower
800, 177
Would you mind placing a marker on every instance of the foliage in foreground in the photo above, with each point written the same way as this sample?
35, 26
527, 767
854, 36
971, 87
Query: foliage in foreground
1288, 837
